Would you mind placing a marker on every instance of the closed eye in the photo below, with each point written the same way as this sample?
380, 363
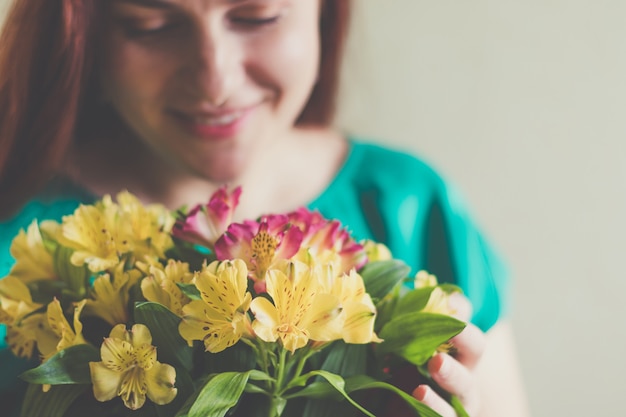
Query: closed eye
140, 30
255, 22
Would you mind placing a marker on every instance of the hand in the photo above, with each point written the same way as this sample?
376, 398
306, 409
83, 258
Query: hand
453, 373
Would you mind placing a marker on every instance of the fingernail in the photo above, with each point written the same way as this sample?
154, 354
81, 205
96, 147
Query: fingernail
420, 392
442, 365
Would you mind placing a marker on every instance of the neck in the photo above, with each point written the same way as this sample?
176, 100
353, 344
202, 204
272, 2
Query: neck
282, 175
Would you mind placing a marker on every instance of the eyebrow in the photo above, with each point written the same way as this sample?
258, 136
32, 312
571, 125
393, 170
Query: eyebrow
163, 4
157, 4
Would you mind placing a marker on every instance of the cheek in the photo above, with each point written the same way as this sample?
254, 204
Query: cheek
131, 73
289, 61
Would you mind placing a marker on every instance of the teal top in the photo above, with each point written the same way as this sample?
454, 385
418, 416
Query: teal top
379, 193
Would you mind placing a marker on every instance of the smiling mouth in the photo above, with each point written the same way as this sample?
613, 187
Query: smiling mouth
218, 120
213, 126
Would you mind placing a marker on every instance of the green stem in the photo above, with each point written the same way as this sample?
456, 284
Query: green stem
277, 403
280, 370
301, 363
263, 357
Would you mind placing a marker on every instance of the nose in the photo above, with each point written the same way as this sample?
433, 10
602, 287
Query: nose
214, 67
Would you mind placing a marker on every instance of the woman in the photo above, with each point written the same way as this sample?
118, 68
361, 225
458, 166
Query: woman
172, 98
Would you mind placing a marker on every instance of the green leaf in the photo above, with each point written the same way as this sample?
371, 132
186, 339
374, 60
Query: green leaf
364, 383
163, 324
416, 336
69, 366
53, 403
220, 394
338, 383
237, 358
189, 290
386, 307
75, 277
413, 301
317, 390
343, 359
357, 383
382, 276
458, 407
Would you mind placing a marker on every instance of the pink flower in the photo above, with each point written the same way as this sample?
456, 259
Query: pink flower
205, 223
260, 244
320, 234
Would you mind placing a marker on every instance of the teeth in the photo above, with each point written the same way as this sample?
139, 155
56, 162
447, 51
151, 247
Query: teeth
217, 120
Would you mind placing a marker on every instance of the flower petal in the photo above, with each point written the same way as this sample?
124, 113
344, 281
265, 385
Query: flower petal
322, 320
133, 388
266, 319
117, 354
359, 323
200, 322
160, 381
32, 260
105, 381
225, 289
140, 335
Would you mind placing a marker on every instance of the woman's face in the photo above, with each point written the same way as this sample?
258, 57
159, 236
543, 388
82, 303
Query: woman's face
207, 83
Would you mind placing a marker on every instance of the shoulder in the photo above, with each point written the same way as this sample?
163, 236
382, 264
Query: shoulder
396, 162
400, 199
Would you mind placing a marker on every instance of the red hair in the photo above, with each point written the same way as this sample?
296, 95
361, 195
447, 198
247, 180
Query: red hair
46, 86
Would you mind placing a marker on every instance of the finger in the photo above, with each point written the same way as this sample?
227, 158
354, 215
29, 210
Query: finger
461, 305
456, 379
427, 396
469, 346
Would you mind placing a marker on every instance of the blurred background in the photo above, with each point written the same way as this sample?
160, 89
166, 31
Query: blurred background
522, 104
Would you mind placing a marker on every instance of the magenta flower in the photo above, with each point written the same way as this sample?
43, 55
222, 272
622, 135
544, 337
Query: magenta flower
260, 244
320, 234
205, 223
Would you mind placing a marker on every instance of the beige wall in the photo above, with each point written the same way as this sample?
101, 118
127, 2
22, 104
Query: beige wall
523, 104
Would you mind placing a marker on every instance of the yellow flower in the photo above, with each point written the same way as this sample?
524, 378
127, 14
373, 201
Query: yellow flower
320, 258
300, 312
101, 233
150, 225
15, 298
129, 369
376, 251
97, 234
358, 312
61, 335
438, 302
160, 286
32, 260
56, 334
110, 295
358, 309
18, 312
22, 335
220, 318
423, 280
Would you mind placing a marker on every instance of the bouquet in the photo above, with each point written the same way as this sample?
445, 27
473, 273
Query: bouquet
129, 309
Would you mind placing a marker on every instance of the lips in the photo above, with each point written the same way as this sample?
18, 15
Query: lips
213, 126
218, 120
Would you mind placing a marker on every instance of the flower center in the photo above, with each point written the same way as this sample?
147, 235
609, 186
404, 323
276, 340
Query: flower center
263, 250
